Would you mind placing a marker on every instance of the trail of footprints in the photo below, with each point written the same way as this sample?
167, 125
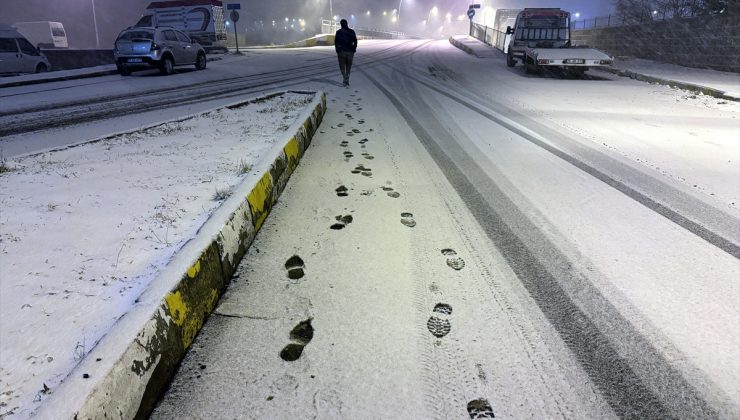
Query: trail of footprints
438, 324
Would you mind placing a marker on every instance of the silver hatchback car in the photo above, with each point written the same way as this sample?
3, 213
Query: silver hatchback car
161, 47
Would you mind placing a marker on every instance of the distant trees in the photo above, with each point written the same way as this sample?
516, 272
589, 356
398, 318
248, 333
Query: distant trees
638, 11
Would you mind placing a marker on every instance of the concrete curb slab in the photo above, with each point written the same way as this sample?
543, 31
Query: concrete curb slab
124, 375
462, 46
672, 83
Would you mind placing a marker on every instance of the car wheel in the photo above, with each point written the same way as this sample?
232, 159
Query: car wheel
167, 66
41, 68
510, 61
124, 71
200, 62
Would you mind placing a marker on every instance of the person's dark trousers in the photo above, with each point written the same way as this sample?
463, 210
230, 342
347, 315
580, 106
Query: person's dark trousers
345, 64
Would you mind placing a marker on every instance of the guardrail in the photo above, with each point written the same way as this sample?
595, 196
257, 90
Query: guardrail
330, 27
493, 37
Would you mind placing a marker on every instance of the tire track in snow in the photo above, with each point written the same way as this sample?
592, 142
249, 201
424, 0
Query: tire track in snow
620, 385
59, 115
686, 223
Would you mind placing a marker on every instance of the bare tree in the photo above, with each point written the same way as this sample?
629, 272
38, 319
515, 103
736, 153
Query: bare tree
634, 11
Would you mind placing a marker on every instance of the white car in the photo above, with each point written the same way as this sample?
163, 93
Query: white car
17, 55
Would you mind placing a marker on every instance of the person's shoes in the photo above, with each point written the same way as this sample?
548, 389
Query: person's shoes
345, 83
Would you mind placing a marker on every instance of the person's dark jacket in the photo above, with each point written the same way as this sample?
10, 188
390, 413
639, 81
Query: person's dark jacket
345, 40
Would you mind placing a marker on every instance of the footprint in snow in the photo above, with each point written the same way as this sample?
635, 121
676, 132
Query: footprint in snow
453, 261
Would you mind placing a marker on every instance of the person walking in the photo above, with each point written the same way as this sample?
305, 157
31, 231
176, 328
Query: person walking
345, 44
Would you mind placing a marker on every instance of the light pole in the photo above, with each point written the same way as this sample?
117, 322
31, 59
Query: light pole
399, 12
95, 23
331, 13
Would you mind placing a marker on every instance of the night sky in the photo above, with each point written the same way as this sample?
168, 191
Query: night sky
115, 15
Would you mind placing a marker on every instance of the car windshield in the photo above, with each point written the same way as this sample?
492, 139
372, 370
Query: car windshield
131, 35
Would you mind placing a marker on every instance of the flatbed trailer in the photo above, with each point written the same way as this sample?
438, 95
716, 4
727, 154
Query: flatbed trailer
570, 59
541, 38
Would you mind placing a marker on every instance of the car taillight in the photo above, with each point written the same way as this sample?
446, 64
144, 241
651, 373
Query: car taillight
155, 46
605, 62
543, 61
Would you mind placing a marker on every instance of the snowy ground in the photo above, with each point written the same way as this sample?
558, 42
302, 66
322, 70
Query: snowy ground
83, 230
724, 81
481, 268
586, 291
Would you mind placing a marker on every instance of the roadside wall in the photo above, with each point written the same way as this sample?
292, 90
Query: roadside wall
65, 59
702, 42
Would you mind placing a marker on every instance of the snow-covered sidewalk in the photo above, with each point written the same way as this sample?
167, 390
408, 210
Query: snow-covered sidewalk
663, 73
727, 82
85, 229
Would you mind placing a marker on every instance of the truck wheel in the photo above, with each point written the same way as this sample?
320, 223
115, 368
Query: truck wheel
167, 66
510, 61
528, 66
41, 68
200, 62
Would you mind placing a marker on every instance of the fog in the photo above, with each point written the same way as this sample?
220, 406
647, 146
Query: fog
417, 17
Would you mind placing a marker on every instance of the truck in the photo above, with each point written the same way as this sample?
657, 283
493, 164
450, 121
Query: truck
202, 20
540, 38
47, 35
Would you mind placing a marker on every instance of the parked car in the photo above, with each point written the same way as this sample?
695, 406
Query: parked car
18, 55
48, 35
163, 48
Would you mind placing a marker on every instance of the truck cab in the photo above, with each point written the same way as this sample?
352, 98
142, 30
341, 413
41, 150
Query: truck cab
537, 28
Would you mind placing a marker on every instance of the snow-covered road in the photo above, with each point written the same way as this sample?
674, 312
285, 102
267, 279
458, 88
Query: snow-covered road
529, 247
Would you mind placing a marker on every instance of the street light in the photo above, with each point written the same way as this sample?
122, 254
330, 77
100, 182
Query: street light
433, 11
95, 23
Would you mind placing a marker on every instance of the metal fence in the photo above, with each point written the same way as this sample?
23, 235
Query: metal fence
493, 37
330, 27
617, 20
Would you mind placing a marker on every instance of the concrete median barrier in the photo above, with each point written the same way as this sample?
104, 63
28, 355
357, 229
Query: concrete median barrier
124, 375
